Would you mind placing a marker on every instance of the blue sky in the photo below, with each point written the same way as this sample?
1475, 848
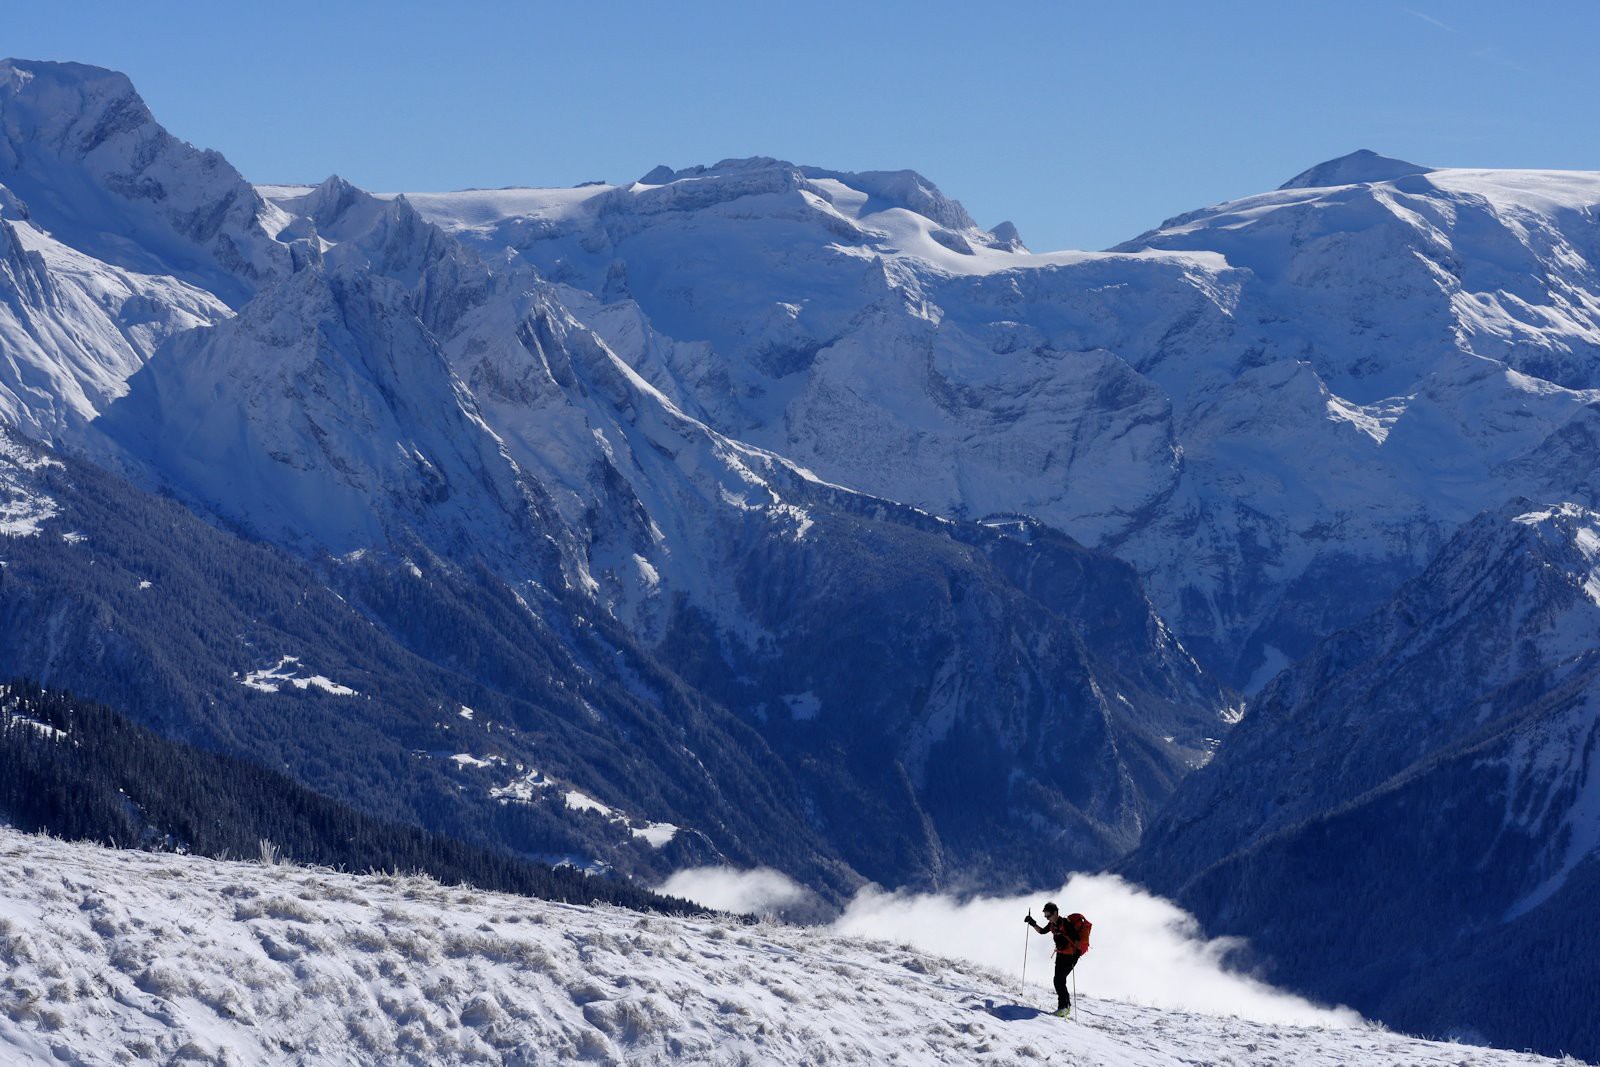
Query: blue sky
1084, 123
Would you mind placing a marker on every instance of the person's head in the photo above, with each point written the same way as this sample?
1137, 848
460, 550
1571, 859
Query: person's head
1051, 911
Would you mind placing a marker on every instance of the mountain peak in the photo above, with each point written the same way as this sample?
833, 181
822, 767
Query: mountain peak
1362, 165
72, 107
665, 175
79, 146
1007, 237
332, 199
884, 188
23, 72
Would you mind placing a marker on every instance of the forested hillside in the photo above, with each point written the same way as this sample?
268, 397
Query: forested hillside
82, 772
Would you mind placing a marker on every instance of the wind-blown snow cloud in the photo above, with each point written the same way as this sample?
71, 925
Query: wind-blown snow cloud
1144, 949
755, 892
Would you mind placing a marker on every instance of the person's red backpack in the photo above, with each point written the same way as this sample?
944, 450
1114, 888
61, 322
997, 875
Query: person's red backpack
1080, 927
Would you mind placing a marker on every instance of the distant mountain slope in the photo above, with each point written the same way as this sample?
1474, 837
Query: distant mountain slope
1310, 386
438, 700
277, 966
1408, 821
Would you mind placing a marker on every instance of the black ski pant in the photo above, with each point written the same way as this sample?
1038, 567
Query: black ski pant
1064, 964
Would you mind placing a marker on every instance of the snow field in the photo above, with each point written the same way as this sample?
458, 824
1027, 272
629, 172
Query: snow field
123, 957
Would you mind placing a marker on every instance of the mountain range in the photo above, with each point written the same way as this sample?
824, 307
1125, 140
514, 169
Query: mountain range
477, 477
765, 514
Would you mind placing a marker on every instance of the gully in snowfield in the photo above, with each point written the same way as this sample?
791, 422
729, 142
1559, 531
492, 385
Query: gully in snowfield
1072, 941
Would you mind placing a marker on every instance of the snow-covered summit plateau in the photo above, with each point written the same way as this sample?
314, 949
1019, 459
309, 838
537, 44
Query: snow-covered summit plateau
115, 957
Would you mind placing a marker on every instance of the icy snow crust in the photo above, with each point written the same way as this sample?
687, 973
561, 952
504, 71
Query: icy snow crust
117, 956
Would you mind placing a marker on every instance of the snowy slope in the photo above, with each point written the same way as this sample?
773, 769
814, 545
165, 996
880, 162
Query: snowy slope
74, 328
119, 955
1322, 380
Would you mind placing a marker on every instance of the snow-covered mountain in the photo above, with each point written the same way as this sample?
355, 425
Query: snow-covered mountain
1423, 787
93, 167
320, 425
1251, 402
114, 235
112, 956
398, 408
729, 516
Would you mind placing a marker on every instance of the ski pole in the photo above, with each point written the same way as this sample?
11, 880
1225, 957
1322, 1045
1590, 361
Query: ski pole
1023, 990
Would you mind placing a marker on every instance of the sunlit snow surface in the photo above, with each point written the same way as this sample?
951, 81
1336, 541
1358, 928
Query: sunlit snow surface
114, 957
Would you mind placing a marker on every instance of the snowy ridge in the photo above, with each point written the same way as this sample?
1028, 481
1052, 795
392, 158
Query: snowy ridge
111, 955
